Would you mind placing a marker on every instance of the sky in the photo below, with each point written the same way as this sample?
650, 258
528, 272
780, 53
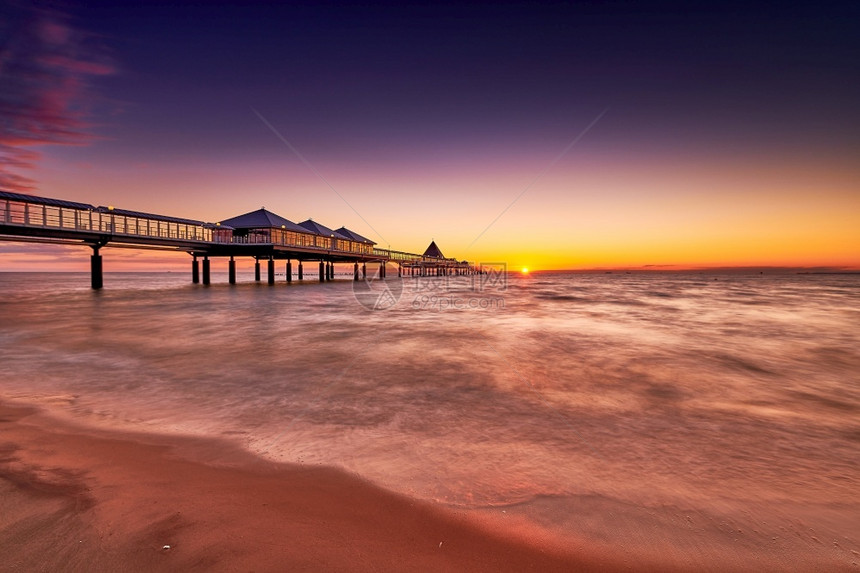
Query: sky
560, 135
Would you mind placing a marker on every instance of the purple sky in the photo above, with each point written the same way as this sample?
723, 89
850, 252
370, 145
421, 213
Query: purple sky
430, 119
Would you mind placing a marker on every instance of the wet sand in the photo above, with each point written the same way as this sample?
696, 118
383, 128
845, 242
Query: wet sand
76, 499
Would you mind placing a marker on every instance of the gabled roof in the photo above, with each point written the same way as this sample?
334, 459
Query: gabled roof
316, 228
353, 236
262, 219
43, 200
433, 251
140, 215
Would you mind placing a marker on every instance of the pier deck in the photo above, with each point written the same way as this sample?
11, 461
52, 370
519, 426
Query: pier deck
28, 218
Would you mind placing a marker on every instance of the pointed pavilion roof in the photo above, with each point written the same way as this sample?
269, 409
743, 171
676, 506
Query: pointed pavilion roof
352, 235
312, 226
433, 251
262, 219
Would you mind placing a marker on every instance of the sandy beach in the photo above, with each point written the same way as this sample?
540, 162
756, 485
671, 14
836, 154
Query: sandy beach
76, 499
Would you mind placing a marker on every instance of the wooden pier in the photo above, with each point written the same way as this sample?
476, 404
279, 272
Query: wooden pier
261, 235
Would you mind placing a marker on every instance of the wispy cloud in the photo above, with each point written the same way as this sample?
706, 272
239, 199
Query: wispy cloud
46, 69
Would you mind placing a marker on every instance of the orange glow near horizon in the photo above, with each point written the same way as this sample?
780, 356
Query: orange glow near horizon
665, 173
593, 212
54, 258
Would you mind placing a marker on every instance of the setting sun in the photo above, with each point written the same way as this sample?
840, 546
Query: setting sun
525, 270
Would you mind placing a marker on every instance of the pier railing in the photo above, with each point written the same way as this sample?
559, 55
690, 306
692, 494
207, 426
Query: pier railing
23, 211
396, 256
304, 241
415, 259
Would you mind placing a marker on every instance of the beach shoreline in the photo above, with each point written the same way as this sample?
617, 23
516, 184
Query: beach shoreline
89, 499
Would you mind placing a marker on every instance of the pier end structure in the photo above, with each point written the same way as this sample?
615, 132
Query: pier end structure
430, 263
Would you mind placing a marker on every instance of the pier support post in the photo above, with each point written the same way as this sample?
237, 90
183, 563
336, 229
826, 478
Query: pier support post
355, 271
301, 277
97, 281
289, 271
205, 270
364, 271
322, 271
331, 271
231, 266
257, 270
382, 270
399, 271
195, 271
271, 271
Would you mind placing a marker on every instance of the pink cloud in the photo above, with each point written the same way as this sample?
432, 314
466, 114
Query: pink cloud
81, 67
54, 32
46, 68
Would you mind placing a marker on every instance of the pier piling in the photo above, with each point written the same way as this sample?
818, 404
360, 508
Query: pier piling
301, 276
257, 270
289, 271
231, 266
96, 269
271, 269
195, 271
206, 270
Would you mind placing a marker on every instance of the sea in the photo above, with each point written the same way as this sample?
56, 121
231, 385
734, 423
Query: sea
702, 420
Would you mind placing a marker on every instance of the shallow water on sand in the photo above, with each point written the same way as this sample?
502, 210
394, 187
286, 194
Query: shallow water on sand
715, 416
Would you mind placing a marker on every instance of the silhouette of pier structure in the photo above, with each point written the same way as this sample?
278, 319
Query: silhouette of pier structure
261, 235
